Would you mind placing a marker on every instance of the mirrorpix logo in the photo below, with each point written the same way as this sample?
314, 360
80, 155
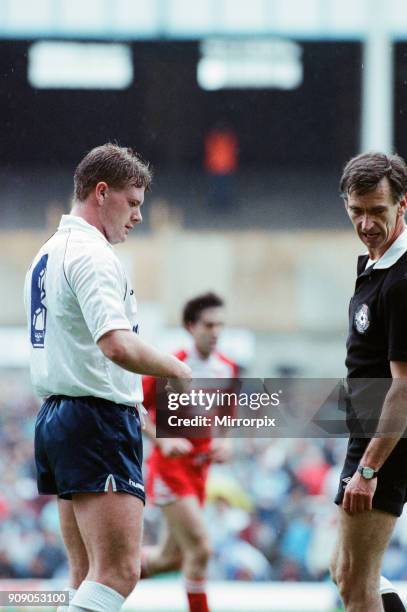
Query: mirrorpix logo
361, 318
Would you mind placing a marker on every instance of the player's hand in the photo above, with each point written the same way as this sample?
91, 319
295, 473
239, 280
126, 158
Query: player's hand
182, 382
178, 385
221, 450
359, 494
174, 447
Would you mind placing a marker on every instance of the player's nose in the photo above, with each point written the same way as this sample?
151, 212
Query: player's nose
367, 223
137, 218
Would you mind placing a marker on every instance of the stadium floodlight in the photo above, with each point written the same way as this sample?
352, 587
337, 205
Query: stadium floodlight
248, 63
79, 65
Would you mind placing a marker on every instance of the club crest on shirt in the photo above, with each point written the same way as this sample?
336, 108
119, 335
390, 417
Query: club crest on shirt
361, 318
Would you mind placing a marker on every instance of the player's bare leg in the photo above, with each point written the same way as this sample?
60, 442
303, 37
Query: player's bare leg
165, 557
186, 523
111, 527
362, 541
75, 548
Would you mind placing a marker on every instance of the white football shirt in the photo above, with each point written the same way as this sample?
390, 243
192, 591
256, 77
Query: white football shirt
75, 291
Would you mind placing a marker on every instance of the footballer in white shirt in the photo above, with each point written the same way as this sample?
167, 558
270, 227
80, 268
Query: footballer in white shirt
86, 362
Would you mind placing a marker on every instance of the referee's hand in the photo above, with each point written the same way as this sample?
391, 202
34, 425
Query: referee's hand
359, 494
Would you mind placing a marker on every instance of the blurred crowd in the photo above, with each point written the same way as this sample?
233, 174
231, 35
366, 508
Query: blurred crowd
30, 542
270, 511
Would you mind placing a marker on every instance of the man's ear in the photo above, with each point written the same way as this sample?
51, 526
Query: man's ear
402, 206
100, 191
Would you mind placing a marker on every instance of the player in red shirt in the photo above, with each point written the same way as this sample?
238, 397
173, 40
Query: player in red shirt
178, 467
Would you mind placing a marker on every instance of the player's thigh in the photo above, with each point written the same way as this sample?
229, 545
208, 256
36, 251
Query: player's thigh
70, 530
110, 524
362, 541
168, 543
186, 522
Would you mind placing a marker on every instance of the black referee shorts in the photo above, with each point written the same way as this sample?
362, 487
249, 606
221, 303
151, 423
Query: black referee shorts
88, 444
391, 491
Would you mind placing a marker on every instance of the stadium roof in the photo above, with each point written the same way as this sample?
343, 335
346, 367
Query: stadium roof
158, 19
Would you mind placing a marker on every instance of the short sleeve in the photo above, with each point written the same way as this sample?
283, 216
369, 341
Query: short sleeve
396, 321
99, 284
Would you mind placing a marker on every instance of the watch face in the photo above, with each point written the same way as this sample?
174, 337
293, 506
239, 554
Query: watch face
368, 472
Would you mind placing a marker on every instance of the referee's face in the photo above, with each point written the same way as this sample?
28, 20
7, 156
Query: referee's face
377, 220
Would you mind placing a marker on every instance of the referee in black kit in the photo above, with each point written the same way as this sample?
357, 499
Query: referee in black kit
373, 484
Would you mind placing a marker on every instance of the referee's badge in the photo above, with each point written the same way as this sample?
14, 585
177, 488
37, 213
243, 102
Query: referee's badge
361, 318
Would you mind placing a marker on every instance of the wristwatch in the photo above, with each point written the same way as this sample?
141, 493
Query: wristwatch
367, 472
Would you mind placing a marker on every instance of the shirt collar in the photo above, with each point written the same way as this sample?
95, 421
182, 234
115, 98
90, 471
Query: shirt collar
393, 253
75, 222
197, 355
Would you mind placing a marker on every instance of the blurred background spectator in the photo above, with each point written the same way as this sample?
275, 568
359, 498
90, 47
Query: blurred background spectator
268, 511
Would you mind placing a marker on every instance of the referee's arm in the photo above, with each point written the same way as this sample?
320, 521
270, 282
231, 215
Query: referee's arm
393, 423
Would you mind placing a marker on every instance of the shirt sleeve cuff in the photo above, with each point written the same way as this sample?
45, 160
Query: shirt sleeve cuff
396, 355
112, 325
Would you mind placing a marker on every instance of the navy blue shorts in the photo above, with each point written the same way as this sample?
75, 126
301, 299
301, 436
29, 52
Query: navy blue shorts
88, 444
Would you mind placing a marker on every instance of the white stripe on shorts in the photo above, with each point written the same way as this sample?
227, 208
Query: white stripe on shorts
111, 479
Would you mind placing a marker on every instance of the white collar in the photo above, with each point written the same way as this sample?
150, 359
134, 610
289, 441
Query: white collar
75, 222
197, 355
393, 253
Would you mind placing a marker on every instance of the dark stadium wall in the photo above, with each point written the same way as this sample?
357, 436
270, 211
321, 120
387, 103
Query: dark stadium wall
400, 99
166, 115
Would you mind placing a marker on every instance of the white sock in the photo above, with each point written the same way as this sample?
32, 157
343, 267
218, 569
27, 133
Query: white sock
195, 586
71, 592
96, 597
386, 586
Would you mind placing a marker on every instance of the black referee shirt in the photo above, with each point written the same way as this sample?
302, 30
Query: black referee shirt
377, 320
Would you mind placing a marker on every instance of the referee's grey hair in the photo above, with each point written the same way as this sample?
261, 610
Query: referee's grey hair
362, 174
118, 166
